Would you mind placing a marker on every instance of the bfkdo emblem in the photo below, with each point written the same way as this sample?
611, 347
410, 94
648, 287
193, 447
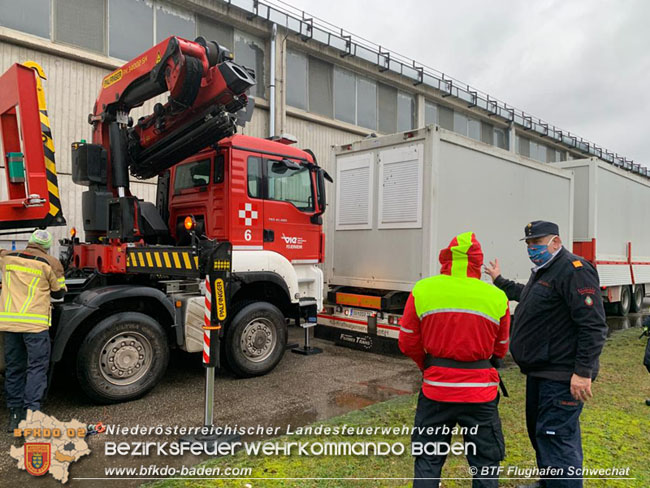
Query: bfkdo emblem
37, 458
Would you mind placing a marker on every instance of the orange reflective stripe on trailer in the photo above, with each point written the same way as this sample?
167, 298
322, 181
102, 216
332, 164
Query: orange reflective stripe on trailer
363, 301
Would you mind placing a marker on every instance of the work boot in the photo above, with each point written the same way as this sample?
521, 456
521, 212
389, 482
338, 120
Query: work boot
16, 415
647, 402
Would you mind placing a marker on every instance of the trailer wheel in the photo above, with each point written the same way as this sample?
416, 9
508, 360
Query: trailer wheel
122, 358
622, 308
637, 299
255, 339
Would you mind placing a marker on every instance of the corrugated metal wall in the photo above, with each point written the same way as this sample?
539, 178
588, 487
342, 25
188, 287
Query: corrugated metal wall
319, 138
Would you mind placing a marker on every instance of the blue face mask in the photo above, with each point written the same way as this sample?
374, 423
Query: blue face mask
539, 253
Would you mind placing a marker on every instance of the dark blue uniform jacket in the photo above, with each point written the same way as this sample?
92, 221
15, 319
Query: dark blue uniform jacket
559, 325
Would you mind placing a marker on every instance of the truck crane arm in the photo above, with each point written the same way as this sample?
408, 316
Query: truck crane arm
207, 97
206, 90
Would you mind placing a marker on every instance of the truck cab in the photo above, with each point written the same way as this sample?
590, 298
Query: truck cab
255, 193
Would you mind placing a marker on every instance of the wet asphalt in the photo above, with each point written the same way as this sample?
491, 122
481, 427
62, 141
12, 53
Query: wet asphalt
300, 391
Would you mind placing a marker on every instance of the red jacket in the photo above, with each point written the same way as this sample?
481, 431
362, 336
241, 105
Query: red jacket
457, 316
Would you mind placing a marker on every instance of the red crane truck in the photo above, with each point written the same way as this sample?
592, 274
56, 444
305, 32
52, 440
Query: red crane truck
134, 283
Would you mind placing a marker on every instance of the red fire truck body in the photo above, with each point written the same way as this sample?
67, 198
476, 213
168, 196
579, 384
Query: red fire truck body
135, 285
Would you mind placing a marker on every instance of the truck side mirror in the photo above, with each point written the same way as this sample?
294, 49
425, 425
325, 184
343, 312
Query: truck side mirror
321, 176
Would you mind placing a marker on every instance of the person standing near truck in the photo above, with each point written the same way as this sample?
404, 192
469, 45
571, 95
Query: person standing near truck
453, 324
29, 278
646, 357
559, 330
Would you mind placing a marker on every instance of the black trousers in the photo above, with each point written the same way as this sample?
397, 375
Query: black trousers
27, 359
490, 446
553, 422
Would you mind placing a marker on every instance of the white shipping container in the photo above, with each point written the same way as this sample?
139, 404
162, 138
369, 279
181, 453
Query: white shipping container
399, 199
611, 212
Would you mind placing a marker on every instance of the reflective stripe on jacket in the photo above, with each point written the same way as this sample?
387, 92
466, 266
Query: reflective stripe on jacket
457, 316
28, 277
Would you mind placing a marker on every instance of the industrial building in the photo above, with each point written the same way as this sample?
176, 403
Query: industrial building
315, 81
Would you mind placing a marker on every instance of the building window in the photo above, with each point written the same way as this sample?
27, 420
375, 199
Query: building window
387, 109
33, 16
80, 23
537, 151
460, 123
487, 131
446, 118
366, 103
130, 28
320, 88
522, 146
249, 52
297, 80
500, 138
474, 129
345, 99
174, 22
216, 31
430, 113
405, 111
341, 94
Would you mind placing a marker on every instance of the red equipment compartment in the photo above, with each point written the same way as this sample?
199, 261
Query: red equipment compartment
105, 258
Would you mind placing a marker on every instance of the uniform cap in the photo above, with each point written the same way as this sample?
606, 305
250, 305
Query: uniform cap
42, 238
540, 228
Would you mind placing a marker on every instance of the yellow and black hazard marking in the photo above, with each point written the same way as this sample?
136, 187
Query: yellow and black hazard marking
221, 265
173, 261
55, 215
220, 299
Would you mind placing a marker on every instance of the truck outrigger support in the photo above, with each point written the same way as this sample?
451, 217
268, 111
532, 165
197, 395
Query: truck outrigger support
218, 271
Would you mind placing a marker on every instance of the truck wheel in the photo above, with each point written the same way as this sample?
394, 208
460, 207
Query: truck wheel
255, 339
122, 358
637, 299
622, 308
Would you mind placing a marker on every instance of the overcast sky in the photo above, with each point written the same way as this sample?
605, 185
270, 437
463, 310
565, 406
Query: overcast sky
582, 65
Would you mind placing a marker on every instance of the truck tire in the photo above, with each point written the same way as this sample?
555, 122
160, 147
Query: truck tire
622, 308
637, 299
255, 339
122, 358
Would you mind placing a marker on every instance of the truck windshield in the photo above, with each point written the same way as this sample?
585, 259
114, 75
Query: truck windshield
192, 175
289, 185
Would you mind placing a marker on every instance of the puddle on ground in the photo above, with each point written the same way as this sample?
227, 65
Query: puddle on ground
623, 323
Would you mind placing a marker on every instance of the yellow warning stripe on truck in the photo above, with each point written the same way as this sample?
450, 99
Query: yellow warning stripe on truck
162, 260
55, 215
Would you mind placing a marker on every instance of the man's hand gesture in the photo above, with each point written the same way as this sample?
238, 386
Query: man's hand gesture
493, 269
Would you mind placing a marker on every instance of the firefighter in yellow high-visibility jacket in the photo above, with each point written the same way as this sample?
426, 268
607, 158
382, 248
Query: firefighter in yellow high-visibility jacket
29, 278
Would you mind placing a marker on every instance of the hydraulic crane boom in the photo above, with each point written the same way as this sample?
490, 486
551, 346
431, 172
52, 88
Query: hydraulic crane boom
206, 101
203, 84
